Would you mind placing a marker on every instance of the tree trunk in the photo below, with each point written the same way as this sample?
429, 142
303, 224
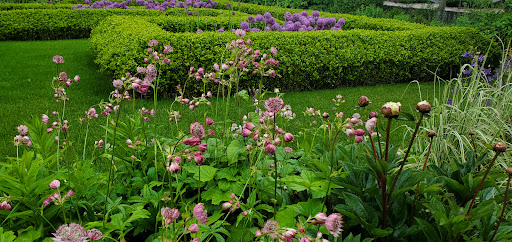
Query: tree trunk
442, 12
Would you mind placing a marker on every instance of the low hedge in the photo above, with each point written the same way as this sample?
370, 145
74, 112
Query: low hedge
50, 24
308, 60
21, 6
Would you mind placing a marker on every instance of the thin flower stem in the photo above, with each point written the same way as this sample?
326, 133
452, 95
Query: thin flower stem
428, 154
85, 140
155, 93
110, 172
502, 210
481, 183
275, 185
405, 158
373, 147
388, 130
199, 186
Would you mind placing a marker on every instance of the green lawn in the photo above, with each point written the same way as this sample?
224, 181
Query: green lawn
28, 70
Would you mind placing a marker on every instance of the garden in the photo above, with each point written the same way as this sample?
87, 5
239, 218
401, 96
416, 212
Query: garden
232, 121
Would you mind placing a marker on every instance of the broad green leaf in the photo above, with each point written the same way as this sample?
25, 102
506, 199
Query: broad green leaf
235, 148
377, 232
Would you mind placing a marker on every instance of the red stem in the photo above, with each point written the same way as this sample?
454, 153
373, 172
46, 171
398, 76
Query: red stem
502, 211
481, 183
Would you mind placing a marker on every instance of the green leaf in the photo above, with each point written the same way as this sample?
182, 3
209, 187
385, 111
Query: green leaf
377, 232
235, 148
6, 236
428, 230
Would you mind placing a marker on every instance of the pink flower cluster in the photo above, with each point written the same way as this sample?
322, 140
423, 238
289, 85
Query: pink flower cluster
200, 213
22, 137
62, 82
169, 215
56, 197
75, 232
333, 224
5, 206
144, 113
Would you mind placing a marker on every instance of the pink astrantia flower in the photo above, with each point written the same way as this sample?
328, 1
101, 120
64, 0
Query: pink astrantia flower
44, 118
173, 167
71, 232
22, 129
273, 50
270, 149
333, 223
320, 218
153, 42
169, 215
289, 137
193, 228
270, 229
58, 59
209, 122
200, 213
274, 104
93, 234
240, 33
55, 184
197, 130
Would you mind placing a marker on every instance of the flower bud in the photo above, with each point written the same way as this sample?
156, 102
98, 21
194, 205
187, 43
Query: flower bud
500, 147
270, 149
431, 133
509, 170
373, 114
226, 205
391, 109
193, 228
288, 137
363, 101
55, 184
423, 107
325, 115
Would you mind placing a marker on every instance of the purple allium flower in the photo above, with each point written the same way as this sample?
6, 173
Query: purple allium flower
58, 59
221, 30
87, 1
233, 13
341, 21
245, 26
260, 18
200, 213
229, 5
251, 19
199, 31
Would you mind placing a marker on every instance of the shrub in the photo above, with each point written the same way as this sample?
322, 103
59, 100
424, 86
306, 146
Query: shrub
17, 6
45, 24
309, 60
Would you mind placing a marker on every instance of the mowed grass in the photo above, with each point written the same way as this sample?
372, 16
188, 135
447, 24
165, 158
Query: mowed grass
25, 92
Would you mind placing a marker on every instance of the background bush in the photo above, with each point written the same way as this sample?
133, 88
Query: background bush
308, 60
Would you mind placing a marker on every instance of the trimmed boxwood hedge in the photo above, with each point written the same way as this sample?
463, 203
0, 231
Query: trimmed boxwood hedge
50, 24
308, 60
48, 21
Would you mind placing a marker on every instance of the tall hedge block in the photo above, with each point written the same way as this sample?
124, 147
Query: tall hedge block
308, 60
